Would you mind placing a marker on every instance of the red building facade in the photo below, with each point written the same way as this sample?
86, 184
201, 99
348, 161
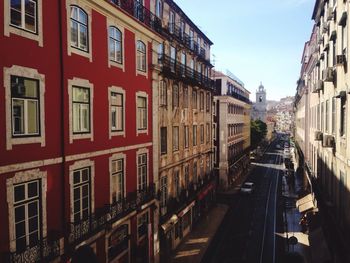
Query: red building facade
76, 164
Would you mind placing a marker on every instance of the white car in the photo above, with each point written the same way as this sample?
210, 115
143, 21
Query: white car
247, 188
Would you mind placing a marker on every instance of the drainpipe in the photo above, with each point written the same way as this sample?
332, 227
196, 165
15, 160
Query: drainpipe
61, 84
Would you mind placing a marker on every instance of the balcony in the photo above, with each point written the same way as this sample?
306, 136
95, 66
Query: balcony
44, 251
176, 70
177, 33
139, 12
105, 216
176, 204
239, 97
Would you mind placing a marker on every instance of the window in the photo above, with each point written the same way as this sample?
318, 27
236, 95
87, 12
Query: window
191, 39
117, 179
186, 177
172, 58
27, 221
201, 101
182, 28
81, 110
24, 14
142, 171
208, 132
202, 134
81, 194
175, 96
194, 99
194, 175
141, 113
115, 45
192, 67
185, 95
163, 193
342, 116
159, 8
160, 51
334, 116
141, 56
199, 41
175, 138
171, 22
183, 63
194, 135
207, 105
176, 183
142, 225
186, 136
163, 140
163, 93
79, 28
25, 106
117, 112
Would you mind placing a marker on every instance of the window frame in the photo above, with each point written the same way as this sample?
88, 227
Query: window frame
194, 135
28, 73
88, 103
80, 24
117, 157
141, 57
175, 96
9, 28
116, 42
76, 82
163, 93
142, 129
163, 141
120, 91
176, 137
140, 153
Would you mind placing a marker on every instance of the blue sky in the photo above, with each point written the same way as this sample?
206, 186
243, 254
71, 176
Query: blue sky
257, 40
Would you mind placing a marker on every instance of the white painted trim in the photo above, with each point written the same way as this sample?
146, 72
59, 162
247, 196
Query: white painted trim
111, 21
83, 83
8, 29
117, 156
121, 91
79, 165
145, 95
83, 5
35, 164
22, 177
139, 152
26, 73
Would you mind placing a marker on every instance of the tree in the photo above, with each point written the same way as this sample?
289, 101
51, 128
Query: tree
258, 131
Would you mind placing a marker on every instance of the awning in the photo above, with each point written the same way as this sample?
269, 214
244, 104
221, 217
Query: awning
306, 203
168, 224
186, 209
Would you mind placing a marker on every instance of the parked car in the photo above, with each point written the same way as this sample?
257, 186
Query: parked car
247, 188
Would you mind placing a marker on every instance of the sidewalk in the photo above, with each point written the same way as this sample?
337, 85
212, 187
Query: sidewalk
194, 246
291, 218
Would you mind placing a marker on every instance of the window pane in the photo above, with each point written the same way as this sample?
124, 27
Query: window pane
76, 117
16, 12
74, 33
83, 37
20, 229
31, 88
82, 17
76, 177
18, 116
80, 94
33, 238
85, 175
30, 15
19, 213
33, 224
19, 193
85, 120
33, 126
32, 189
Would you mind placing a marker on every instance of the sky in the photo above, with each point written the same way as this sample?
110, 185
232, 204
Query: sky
257, 40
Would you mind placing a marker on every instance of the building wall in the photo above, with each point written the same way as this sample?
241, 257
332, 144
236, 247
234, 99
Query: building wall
53, 156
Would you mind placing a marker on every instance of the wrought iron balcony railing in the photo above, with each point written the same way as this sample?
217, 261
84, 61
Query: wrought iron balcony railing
177, 70
141, 13
239, 97
186, 196
44, 251
107, 215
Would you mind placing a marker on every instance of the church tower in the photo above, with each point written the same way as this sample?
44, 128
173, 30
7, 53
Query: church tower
260, 104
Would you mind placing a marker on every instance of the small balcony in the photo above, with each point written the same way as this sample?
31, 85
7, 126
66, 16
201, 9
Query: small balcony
141, 13
175, 204
176, 70
105, 216
45, 250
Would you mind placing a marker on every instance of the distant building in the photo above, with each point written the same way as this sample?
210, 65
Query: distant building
260, 106
232, 128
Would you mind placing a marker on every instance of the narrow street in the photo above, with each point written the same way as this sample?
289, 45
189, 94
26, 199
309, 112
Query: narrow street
247, 233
